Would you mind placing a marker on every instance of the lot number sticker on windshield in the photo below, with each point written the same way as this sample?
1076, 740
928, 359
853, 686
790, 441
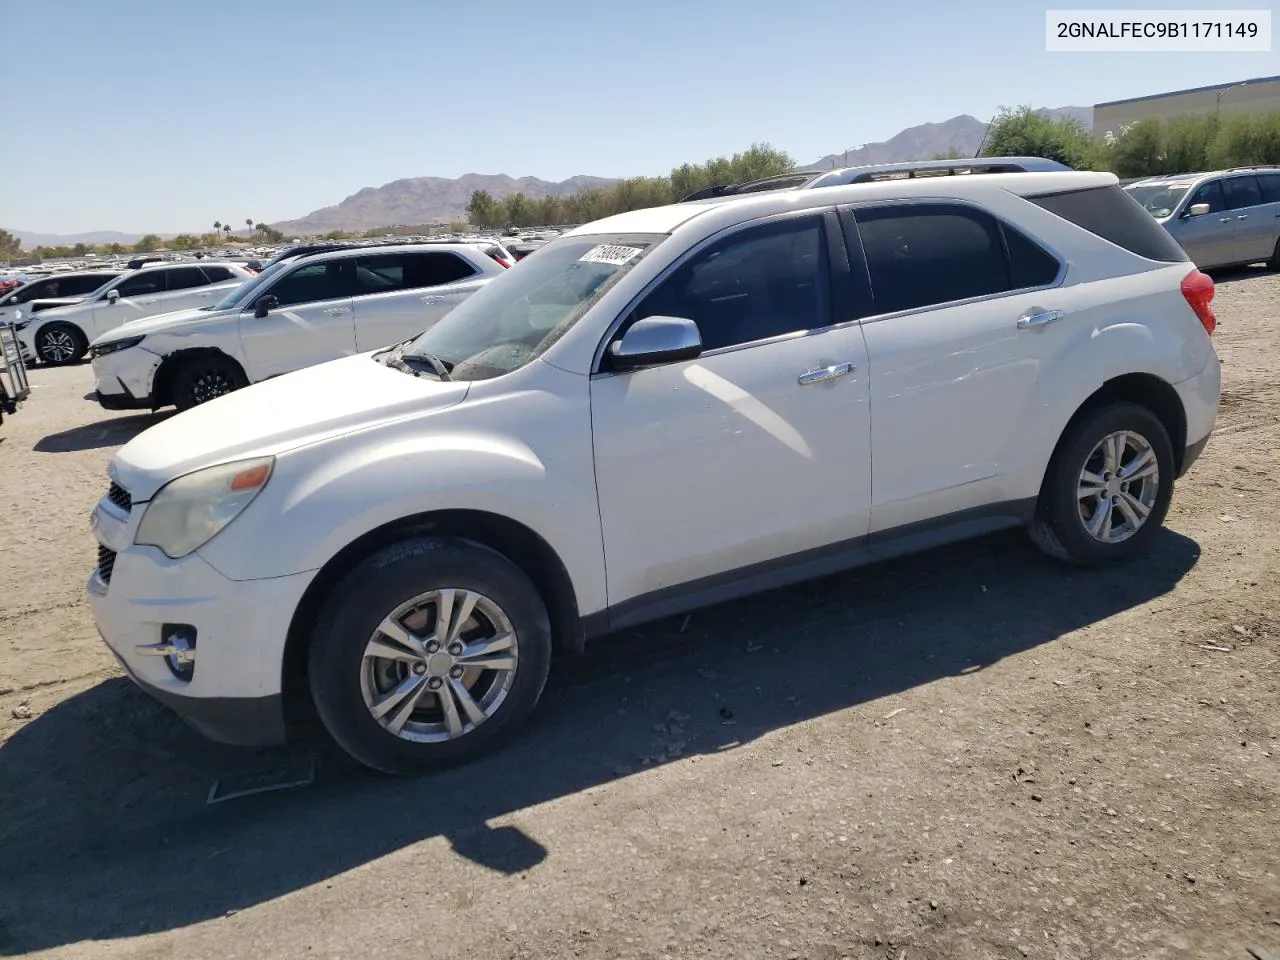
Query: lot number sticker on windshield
610, 253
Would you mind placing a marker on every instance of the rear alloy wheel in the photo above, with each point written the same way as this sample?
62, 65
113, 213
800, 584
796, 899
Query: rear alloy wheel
1109, 488
59, 344
203, 379
428, 653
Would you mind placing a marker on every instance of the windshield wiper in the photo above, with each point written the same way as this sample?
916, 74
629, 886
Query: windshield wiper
431, 360
395, 358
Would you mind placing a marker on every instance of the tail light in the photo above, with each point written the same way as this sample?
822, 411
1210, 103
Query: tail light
1197, 287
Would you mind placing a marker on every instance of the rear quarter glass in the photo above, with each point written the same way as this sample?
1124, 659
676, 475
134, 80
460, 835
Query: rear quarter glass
1112, 214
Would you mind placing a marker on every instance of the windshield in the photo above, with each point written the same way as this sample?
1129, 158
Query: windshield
240, 295
516, 317
1159, 199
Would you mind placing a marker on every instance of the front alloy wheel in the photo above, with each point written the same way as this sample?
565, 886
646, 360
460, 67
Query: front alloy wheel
430, 651
439, 665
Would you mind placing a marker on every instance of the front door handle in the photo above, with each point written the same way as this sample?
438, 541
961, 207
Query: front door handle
336, 311
826, 373
1037, 317
1224, 220
433, 299
1243, 216
148, 302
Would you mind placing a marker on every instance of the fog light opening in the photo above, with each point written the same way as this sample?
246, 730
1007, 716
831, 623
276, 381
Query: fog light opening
181, 639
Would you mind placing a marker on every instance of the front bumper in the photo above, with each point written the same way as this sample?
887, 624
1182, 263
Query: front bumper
123, 380
234, 694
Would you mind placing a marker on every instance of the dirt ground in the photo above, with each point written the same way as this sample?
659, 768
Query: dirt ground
972, 753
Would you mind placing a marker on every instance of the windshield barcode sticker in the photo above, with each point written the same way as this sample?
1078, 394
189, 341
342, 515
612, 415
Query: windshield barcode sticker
610, 253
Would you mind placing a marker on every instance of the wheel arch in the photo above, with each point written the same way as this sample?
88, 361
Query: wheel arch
1144, 389
515, 541
162, 381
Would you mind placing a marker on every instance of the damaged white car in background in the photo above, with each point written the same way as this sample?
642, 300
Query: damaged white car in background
294, 314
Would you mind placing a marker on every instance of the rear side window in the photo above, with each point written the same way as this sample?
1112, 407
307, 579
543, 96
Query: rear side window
1242, 192
217, 274
185, 278
1110, 213
386, 273
926, 254
1030, 265
1270, 184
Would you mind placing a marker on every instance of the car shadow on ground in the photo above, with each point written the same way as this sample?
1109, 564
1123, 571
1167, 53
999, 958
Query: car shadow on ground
105, 831
105, 433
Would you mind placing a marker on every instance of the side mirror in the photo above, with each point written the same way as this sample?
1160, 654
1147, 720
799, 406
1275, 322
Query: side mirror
265, 305
1197, 210
113, 296
655, 340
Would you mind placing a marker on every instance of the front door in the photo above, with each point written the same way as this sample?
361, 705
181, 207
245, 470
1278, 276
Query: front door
1209, 237
312, 322
755, 451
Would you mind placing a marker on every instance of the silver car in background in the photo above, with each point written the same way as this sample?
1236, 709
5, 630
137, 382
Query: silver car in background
1223, 218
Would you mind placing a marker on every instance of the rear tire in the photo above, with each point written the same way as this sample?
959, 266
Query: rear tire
1108, 488
59, 344
431, 652
204, 378
1274, 263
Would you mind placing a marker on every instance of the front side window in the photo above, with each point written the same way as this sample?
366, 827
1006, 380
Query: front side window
516, 317
927, 254
312, 283
1210, 193
142, 284
755, 284
1242, 192
38, 290
185, 278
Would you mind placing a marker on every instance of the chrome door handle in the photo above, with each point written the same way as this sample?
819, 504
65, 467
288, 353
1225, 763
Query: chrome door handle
148, 302
1036, 317
1243, 216
826, 373
432, 299
1224, 219
337, 311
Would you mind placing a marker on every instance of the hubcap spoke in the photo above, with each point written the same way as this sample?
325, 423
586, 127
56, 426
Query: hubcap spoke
449, 708
475, 715
1113, 450
1100, 522
1134, 510
406, 689
394, 631
1090, 484
484, 648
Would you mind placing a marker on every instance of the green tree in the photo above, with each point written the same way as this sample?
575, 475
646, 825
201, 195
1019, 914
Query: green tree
1025, 133
249, 226
79, 250
115, 249
1246, 139
10, 246
480, 209
148, 244
1138, 150
335, 235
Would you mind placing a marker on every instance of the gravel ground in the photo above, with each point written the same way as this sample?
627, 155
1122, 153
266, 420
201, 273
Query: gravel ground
969, 753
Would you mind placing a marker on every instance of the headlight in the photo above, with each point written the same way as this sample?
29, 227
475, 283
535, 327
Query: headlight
111, 346
190, 511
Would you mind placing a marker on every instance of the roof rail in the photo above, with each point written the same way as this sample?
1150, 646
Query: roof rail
1255, 166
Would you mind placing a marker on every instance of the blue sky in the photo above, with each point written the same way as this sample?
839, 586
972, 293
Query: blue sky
149, 115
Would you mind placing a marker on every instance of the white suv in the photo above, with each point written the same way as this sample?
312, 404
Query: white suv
664, 409
299, 312
62, 335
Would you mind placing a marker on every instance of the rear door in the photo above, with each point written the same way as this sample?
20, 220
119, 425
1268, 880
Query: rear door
184, 287
1209, 238
312, 323
965, 314
401, 294
1270, 184
1253, 220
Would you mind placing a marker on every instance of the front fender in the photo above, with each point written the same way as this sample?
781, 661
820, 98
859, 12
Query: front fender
317, 504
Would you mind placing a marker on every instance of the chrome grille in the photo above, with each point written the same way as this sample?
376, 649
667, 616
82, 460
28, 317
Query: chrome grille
106, 563
120, 497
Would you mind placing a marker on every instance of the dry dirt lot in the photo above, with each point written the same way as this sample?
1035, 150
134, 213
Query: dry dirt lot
968, 754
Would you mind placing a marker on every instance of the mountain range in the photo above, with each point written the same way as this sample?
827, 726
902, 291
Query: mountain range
424, 200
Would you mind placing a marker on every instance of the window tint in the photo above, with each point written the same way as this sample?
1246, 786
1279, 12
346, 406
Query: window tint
924, 254
79, 286
1270, 184
759, 283
141, 284
218, 274
310, 283
409, 271
1241, 192
1210, 193
39, 289
430, 269
185, 278
1030, 265
1110, 213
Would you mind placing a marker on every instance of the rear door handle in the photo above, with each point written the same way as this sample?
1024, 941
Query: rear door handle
148, 302
1243, 216
430, 299
336, 311
826, 373
1037, 317
1224, 220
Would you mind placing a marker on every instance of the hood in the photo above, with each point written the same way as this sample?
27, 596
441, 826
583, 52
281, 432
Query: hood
269, 418
158, 323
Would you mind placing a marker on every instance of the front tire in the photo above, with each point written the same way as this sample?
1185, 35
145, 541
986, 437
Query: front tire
1108, 488
60, 344
430, 652
204, 378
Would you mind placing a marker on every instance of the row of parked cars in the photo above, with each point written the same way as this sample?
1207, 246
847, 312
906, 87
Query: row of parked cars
661, 410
